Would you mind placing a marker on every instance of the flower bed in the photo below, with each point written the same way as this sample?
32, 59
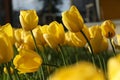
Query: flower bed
35, 52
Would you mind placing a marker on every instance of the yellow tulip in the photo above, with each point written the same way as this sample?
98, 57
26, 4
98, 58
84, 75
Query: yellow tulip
68, 40
78, 39
72, 19
27, 61
28, 19
7, 28
57, 30
51, 40
18, 35
108, 29
28, 40
44, 29
113, 67
98, 42
38, 36
6, 48
80, 71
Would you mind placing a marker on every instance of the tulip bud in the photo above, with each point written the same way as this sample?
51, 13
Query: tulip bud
98, 39
28, 19
108, 29
73, 20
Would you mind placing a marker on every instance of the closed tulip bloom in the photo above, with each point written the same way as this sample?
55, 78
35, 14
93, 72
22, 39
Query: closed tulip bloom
28, 40
113, 67
7, 28
78, 39
80, 71
28, 19
18, 35
57, 30
6, 48
98, 39
38, 36
108, 29
27, 61
72, 19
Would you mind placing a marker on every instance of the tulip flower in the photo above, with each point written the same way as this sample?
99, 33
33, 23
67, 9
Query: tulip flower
78, 39
7, 28
18, 35
27, 61
6, 48
68, 40
72, 19
28, 40
54, 34
51, 40
28, 19
98, 42
80, 71
108, 29
57, 30
38, 36
113, 67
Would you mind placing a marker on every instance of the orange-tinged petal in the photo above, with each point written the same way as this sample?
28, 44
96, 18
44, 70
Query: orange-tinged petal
108, 29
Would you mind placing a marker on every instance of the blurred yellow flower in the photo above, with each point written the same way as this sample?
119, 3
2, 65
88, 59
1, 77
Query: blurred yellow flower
113, 67
6, 48
27, 61
72, 19
98, 42
108, 29
28, 19
80, 71
6, 71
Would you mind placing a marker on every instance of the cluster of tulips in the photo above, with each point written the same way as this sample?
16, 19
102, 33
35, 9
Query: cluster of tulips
49, 52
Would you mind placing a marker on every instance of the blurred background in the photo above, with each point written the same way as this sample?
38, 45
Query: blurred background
49, 10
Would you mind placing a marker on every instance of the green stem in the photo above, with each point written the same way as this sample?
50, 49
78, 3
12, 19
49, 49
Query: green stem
63, 57
105, 68
8, 70
93, 60
34, 42
87, 41
112, 46
42, 71
100, 63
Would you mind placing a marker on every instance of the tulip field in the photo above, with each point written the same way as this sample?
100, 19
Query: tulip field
49, 52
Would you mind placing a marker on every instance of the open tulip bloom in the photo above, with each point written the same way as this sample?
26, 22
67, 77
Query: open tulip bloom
50, 52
